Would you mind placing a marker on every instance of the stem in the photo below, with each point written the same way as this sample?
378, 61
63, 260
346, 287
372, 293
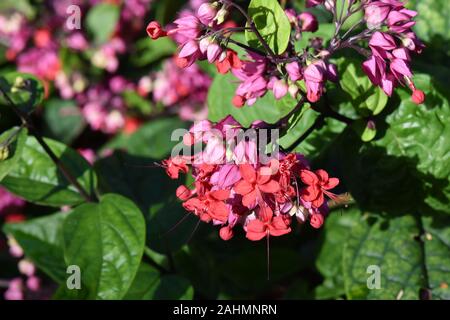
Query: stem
26, 120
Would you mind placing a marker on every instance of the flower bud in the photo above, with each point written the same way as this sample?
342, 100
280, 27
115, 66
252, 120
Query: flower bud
238, 101
316, 220
293, 90
418, 96
213, 52
206, 13
226, 233
280, 88
155, 31
26, 267
308, 22
33, 283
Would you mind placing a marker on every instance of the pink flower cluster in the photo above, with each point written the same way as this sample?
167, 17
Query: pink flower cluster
233, 186
389, 64
186, 88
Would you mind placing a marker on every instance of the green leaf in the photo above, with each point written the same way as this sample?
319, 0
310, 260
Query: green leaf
150, 188
265, 109
366, 98
271, 22
22, 6
106, 240
298, 125
433, 20
149, 51
63, 120
101, 21
42, 242
320, 140
151, 140
25, 90
329, 260
37, 179
437, 255
391, 246
13, 141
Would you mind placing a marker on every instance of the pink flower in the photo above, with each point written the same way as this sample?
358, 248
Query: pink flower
294, 71
206, 13
308, 22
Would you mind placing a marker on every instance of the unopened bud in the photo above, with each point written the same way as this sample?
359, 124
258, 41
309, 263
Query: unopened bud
293, 90
418, 96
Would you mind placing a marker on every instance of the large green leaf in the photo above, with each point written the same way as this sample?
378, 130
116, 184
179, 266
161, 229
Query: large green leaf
11, 143
106, 240
42, 242
148, 185
63, 120
37, 179
389, 245
150, 285
25, 90
271, 22
437, 255
265, 109
329, 261
101, 21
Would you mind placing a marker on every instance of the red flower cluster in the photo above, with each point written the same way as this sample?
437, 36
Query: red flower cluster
233, 187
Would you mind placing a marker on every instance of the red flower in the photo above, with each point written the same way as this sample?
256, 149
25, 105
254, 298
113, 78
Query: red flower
317, 185
254, 184
174, 166
231, 61
266, 225
210, 206
155, 31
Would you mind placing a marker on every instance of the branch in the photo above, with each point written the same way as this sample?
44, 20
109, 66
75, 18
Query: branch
29, 125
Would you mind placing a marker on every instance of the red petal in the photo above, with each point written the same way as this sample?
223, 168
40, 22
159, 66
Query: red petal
271, 187
310, 193
308, 177
248, 172
323, 175
219, 211
332, 182
256, 230
263, 178
220, 194
243, 187
249, 200
319, 201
